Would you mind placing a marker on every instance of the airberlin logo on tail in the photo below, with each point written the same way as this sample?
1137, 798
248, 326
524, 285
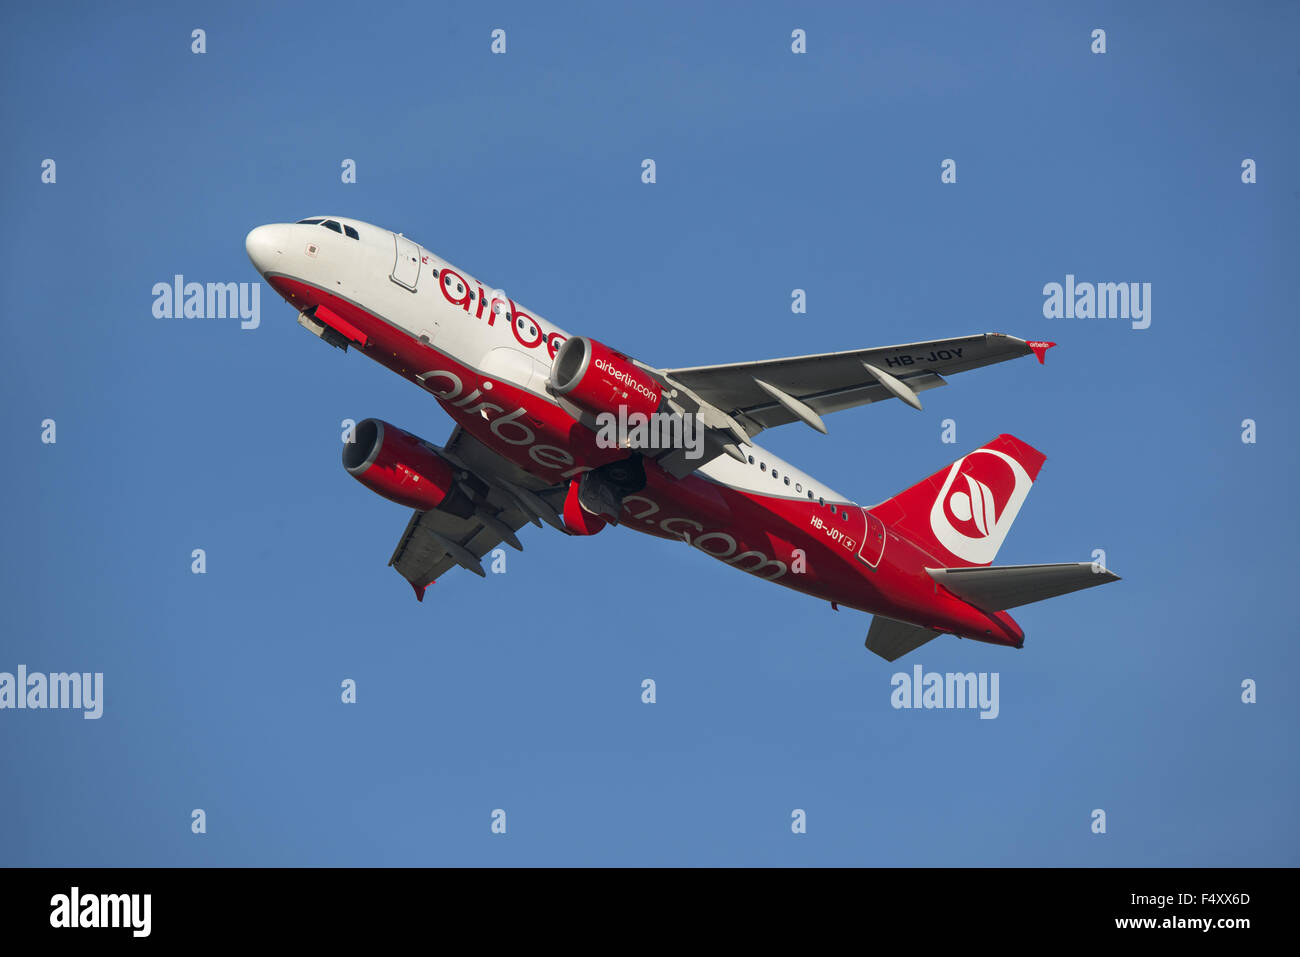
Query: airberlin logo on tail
980, 499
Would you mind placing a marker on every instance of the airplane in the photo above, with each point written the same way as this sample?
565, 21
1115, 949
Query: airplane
533, 442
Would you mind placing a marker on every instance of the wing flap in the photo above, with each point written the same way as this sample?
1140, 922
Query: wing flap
435, 542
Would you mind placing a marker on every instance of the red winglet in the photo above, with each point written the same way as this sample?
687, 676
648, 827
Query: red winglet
1040, 349
419, 590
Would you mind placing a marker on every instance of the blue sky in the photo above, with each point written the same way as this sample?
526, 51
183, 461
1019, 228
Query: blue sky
775, 171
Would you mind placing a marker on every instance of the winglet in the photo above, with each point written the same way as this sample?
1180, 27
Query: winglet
1040, 349
419, 590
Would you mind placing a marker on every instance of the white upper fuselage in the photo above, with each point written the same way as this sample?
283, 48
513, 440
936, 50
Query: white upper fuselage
517, 346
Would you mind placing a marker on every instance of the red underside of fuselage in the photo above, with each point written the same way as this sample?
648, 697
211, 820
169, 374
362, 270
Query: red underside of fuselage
762, 534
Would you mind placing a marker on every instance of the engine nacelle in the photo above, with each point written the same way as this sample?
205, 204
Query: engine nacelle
597, 379
576, 518
401, 468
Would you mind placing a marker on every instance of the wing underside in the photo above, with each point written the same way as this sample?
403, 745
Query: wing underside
423, 555
505, 498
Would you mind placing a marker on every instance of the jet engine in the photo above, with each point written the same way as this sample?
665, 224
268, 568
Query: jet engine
403, 468
597, 379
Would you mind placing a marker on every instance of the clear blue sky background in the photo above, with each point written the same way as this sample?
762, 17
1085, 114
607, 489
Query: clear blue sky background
775, 171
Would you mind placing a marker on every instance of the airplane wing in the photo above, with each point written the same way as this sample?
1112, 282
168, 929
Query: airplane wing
435, 542
761, 395
505, 500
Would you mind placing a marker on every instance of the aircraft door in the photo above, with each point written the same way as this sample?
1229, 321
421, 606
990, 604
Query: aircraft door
872, 548
406, 267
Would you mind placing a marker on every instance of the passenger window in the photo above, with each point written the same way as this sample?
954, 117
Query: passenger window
798, 487
787, 480
751, 460
330, 224
350, 232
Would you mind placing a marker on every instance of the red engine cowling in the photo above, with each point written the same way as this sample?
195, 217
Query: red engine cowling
597, 379
576, 518
399, 466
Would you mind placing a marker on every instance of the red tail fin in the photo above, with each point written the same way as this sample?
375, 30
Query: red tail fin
961, 514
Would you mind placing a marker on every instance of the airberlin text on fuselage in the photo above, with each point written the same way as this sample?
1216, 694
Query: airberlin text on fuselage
535, 335
506, 427
720, 545
510, 430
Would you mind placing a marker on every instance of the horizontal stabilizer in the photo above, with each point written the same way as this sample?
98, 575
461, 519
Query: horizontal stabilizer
999, 587
892, 639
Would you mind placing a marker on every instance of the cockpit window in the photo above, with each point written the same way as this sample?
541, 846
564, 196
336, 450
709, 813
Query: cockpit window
330, 224
309, 222
350, 232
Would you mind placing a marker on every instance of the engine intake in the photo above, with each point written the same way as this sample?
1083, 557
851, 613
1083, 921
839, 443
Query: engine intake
597, 379
403, 468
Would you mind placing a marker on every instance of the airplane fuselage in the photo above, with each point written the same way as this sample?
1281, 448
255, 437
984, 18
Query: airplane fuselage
487, 359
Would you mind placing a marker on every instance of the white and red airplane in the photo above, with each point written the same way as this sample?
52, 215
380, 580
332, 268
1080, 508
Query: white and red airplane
538, 438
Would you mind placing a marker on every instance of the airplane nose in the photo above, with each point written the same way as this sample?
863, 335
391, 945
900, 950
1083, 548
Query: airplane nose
265, 244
